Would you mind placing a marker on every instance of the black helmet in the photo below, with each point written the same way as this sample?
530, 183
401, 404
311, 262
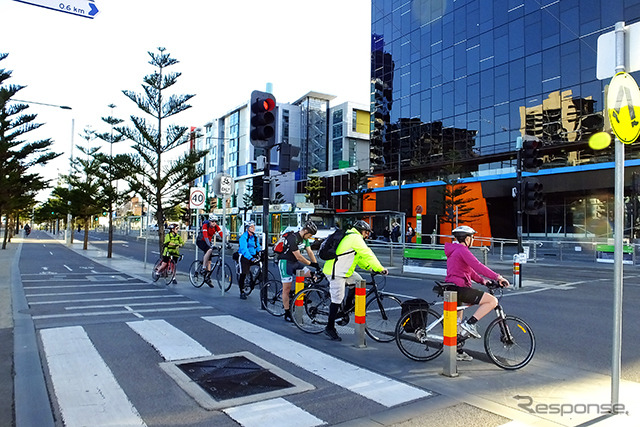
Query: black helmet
310, 227
362, 225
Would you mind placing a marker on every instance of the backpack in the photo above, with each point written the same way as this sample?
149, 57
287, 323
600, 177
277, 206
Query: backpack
282, 245
330, 245
414, 320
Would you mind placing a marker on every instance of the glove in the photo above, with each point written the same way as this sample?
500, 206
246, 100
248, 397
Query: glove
255, 259
315, 265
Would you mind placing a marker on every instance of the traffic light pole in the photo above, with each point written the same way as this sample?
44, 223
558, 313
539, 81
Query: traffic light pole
266, 193
519, 203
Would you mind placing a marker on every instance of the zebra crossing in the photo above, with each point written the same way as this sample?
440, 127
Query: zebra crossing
86, 389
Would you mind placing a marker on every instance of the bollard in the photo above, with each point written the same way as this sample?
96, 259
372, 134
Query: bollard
298, 302
360, 313
450, 333
516, 272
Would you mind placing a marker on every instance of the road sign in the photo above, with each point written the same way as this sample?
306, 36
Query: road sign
623, 107
226, 182
84, 8
606, 58
196, 198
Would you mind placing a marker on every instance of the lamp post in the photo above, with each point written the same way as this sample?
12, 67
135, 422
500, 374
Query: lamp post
67, 233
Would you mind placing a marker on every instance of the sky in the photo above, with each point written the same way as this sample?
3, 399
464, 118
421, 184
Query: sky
225, 50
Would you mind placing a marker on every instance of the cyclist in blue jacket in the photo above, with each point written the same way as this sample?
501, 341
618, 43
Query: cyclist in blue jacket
248, 250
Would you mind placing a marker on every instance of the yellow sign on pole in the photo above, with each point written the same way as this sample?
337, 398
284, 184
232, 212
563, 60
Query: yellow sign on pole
623, 107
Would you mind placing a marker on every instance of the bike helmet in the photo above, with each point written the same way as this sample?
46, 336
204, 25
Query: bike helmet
172, 226
249, 224
461, 232
310, 227
362, 225
213, 217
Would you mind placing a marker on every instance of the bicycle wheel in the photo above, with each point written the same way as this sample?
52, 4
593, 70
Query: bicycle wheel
252, 280
419, 335
382, 316
272, 299
313, 312
196, 274
224, 280
154, 273
509, 343
170, 273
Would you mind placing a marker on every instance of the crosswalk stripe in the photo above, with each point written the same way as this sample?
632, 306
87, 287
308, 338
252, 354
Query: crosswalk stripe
274, 412
85, 387
371, 385
117, 312
169, 341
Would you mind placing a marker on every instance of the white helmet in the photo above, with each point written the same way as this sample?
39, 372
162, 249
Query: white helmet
461, 232
213, 217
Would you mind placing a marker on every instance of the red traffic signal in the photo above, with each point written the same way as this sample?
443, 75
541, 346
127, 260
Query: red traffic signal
263, 132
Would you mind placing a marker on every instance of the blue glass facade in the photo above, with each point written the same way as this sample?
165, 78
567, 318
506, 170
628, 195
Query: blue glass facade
456, 82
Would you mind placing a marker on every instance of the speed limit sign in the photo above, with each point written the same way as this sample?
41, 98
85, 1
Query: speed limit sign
196, 198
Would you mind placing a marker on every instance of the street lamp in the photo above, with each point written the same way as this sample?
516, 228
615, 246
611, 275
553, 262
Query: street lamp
67, 232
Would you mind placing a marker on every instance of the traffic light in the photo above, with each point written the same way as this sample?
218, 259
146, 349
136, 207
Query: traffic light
288, 160
531, 160
263, 119
532, 197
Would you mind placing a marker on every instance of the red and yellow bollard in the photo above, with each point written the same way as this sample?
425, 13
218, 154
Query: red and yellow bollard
360, 313
516, 271
450, 333
298, 287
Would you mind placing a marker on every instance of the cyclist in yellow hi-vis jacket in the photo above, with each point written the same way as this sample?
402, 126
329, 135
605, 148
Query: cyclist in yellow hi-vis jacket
351, 252
172, 243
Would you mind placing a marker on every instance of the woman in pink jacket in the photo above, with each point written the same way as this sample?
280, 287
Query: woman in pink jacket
463, 268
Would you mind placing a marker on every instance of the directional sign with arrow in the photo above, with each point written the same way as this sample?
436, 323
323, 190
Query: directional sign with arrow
84, 8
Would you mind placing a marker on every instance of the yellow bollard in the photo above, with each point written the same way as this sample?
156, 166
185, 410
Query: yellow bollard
450, 332
299, 302
360, 313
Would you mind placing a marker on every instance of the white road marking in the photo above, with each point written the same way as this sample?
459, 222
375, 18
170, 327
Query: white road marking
123, 311
67, 267
273, 412
132, 311
68, 301
386, 391
82, 307
85, 388
95, 292
171, 343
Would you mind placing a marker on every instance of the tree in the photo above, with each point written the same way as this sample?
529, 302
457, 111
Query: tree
108, 172
18, 187
358, 189
457, 207
163, 184
314, 188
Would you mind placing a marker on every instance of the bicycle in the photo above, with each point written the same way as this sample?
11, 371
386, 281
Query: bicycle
168, 273
508, 340
382, 310
255, 276
198, 274
272, 293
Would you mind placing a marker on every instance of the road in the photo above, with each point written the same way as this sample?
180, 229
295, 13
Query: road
107, 313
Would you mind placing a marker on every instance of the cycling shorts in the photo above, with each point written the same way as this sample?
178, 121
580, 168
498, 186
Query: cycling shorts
203, 245
466, 295
288, 269
166, 258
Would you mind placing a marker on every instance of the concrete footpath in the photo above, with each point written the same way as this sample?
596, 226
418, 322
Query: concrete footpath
480, 396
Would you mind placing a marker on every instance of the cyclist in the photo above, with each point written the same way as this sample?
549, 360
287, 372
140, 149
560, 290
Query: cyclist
463, 268
172, 243
210, 228
248, 253
351, 252
292, 260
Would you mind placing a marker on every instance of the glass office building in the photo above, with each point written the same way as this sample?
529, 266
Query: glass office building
455, 83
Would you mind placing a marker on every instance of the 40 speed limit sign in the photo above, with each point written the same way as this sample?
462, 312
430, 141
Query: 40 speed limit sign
196, 198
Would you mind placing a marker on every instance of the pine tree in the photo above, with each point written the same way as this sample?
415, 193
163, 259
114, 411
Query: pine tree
164, 185
18, 187
457, 207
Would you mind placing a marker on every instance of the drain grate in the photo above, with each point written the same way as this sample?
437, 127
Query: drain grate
233, 379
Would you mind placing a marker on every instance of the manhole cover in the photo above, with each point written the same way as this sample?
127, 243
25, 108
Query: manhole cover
228, 380
233, 377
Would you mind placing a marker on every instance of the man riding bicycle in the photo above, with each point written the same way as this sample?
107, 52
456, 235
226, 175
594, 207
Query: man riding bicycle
172, 243
463, 268
351, 252
210, 228
292, 260
248, 254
